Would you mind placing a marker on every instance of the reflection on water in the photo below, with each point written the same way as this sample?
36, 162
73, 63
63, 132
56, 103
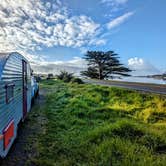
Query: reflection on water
142, 79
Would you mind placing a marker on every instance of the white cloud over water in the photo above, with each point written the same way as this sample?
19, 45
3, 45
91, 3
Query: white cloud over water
141, 67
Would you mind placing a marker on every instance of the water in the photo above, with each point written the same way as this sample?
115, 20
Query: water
142, 79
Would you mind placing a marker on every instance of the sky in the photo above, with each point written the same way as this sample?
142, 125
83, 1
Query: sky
54, 35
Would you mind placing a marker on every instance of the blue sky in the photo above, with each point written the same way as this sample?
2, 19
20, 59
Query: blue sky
59, 33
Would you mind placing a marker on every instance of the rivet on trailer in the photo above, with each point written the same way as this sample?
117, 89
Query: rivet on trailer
16, 92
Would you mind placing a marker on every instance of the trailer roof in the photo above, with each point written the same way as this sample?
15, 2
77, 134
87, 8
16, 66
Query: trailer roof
3, 59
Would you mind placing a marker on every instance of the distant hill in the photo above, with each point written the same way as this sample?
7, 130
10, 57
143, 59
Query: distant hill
158, 76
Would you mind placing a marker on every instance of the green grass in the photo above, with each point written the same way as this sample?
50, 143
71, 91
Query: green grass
92, 125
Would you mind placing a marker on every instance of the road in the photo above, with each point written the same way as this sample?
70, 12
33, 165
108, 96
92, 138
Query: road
152, 88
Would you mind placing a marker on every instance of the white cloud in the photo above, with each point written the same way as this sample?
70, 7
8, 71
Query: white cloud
27, 25
75, 65
114, 2
141, 67
119, 20
114, 5
135, 62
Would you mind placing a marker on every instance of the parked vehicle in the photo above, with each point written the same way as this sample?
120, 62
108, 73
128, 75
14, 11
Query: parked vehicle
34, 87
15, 96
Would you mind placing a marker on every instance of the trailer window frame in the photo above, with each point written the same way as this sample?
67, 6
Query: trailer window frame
9, 92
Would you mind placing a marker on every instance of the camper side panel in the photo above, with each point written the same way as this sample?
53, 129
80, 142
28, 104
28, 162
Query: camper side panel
12, 110
2, 105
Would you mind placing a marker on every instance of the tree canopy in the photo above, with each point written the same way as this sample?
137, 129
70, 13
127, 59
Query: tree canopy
102, 65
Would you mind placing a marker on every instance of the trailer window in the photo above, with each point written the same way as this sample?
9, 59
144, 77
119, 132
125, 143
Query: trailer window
9, 92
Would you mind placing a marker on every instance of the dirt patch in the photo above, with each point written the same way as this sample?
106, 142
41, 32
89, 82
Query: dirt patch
24, 147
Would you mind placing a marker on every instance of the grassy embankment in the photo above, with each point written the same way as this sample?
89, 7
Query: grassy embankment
95, 125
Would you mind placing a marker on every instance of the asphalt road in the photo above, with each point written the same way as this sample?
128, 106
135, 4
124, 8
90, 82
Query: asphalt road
152, 88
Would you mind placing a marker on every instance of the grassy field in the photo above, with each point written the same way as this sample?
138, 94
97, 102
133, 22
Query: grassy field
90, 125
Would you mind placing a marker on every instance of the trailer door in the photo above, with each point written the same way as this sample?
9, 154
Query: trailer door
25, 88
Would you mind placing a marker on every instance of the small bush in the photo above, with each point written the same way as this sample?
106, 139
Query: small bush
65, 76
77, 80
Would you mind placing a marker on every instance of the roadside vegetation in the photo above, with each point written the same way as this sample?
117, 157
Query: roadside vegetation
68, 77
94, 125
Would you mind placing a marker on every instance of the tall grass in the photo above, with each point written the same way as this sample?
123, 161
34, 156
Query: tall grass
100, 126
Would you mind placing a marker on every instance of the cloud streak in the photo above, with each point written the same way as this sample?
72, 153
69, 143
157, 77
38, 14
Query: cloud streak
114, 2
119, 20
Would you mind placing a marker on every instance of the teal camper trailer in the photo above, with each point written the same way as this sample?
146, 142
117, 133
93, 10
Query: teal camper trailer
15, 97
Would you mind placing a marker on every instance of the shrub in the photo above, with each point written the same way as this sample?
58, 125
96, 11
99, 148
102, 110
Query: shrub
65, 76
77, 80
